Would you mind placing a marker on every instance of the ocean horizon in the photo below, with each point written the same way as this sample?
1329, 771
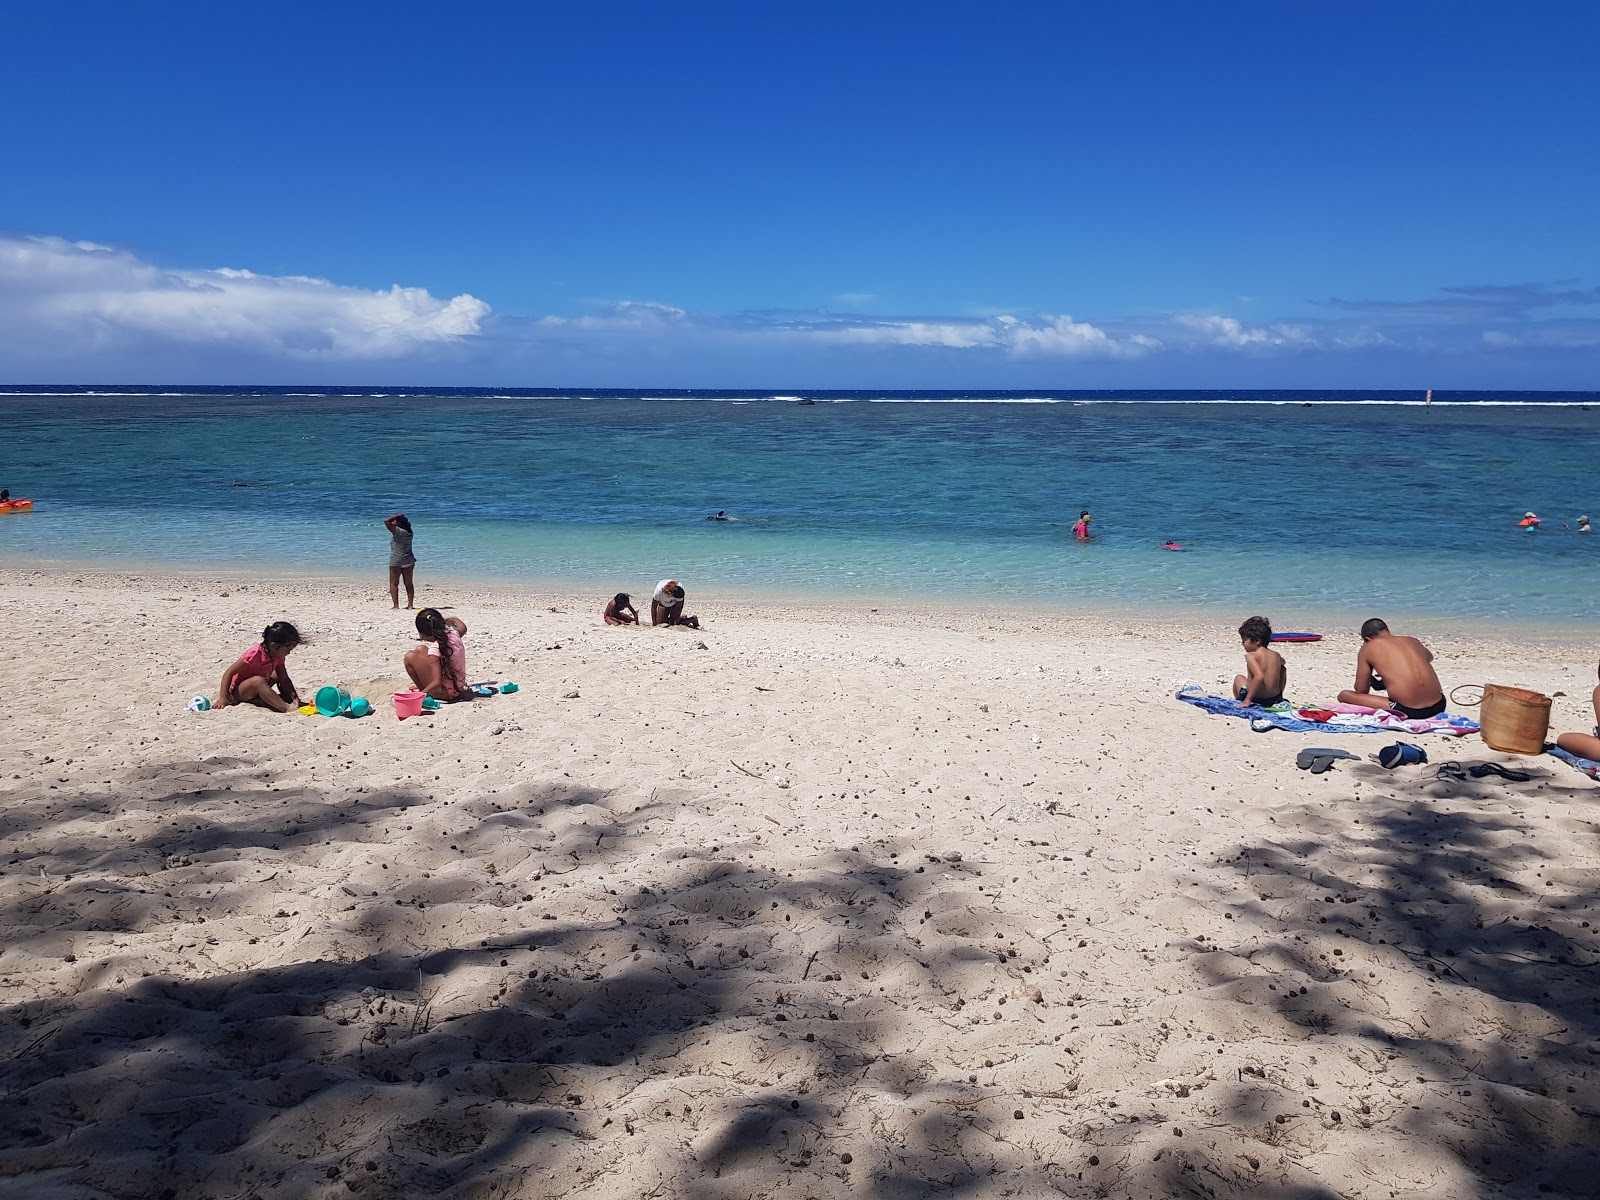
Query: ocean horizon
1286, 502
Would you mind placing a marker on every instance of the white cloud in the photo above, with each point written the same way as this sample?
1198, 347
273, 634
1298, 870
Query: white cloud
622, 316
953, 334
1231, 333
70, 296
1049, 337
81, 310
1062, 336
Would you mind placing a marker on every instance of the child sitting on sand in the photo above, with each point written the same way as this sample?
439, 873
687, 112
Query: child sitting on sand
620, 611
439, 665
261, 675
1268, 674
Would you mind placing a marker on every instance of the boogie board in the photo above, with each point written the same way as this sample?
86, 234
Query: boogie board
1297, 637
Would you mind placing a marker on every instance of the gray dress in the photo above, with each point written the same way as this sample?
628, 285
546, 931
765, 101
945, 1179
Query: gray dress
400, 549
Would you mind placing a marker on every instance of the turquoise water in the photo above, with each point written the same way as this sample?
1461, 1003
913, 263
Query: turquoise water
1352, 502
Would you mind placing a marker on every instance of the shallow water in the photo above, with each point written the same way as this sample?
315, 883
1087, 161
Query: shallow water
1356, 501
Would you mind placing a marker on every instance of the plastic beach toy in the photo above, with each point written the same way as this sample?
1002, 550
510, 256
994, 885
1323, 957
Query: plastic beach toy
331, 701
429, 704
199, 704
507, 688
360, 706
408, 704
307, 710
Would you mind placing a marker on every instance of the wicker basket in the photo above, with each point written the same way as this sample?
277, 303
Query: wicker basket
1513, 719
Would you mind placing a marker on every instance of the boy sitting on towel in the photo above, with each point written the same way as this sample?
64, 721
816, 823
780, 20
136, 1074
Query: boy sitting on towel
1268, 675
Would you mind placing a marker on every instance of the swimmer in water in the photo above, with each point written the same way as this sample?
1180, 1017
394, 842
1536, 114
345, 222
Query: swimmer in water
719, 515
1583, 524
1080, 529
1169, 544
1530, 521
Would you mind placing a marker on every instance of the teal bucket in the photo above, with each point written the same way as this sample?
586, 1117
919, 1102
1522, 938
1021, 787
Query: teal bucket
331, 701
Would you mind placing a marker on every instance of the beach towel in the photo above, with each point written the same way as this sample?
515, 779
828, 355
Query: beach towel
1587, 765
1346, 719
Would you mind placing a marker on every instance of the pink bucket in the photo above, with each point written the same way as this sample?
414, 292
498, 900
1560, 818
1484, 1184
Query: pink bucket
408, 704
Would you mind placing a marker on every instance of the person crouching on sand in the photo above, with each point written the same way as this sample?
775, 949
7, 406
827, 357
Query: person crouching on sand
439, 665
1267, 674
666, 606
261, 674
620, 611
1585, 745
1401, 666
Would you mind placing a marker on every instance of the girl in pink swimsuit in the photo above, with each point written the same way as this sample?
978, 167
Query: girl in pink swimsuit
439, 665
261, 675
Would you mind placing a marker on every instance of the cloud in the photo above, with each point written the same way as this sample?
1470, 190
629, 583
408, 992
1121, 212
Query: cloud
1064, 337
81, 296
80, 310
1044, 337
1478, 302
1231, 333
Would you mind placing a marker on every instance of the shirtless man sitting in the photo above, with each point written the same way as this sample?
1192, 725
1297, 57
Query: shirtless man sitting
1401, 666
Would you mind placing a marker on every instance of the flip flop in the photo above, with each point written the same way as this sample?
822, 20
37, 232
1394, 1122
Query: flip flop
1318, 759
1480, 770
1451, 772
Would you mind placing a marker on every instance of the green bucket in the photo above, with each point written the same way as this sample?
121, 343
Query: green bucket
331, 701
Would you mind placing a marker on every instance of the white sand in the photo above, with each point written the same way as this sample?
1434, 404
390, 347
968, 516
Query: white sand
809, 903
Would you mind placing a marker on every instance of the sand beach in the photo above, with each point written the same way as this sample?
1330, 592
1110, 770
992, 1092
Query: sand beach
824, 902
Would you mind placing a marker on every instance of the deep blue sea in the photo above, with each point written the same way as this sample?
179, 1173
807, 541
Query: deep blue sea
1287, 502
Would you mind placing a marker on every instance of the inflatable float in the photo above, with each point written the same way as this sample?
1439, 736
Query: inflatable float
1297, 637
16, 506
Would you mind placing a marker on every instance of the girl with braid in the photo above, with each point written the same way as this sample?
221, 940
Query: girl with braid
261, 675
439, 665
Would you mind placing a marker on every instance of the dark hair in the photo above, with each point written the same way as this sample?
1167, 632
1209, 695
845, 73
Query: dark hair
404, 522
1373, 628
676, 591
1257, 630
1083, 514
431, 625
621, 600
281, 633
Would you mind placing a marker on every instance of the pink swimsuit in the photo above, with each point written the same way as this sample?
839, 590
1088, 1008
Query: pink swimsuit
258, 664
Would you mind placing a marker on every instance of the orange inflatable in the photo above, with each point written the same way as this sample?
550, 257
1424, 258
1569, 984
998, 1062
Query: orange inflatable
12, 506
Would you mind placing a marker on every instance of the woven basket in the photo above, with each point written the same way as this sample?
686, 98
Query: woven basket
1514, 719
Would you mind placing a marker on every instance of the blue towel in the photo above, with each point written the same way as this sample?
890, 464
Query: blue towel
1587, 765
1284, 717
1276, 718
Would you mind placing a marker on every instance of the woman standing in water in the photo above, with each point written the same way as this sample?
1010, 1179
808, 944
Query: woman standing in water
401, 561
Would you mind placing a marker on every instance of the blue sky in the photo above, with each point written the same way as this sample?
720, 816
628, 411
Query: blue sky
788, 195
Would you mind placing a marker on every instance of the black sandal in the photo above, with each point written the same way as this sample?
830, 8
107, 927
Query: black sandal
1480, 770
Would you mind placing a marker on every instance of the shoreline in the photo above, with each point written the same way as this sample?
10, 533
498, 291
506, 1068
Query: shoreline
1579, 638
